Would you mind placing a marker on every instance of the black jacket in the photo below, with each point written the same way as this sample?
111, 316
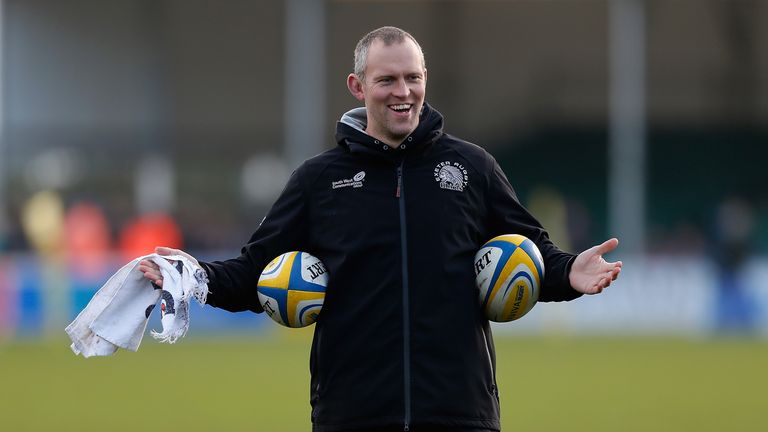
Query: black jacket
401, 338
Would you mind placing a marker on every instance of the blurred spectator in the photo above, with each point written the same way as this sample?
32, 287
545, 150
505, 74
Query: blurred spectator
734, 234
87, 240
568, 221
579, 225
42, 219
550, 207
140, 236
7, 297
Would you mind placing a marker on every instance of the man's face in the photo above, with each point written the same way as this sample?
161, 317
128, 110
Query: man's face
393, 90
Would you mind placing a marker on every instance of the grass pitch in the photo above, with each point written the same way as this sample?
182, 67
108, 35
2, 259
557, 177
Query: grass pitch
262, 384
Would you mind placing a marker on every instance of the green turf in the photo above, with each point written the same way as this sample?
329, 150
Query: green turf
634, 385
261, 384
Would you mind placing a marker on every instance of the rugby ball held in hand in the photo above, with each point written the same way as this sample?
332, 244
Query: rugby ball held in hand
292, 289
509, 273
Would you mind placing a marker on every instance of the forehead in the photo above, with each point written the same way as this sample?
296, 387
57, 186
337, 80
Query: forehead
397, 57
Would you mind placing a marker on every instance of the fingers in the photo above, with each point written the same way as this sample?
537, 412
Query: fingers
602, 284
599, 286
610, 276
151, 272
147, 265
605, 281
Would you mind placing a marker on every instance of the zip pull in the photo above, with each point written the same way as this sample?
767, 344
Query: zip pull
406, 428
399, 186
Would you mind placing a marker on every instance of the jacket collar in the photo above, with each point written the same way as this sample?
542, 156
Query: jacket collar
350, 133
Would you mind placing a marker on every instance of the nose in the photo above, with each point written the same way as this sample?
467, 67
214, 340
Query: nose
401, 88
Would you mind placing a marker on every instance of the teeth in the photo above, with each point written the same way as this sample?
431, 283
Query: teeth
400, 107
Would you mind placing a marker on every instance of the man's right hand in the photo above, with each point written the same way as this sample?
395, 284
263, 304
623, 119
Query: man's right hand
152, 271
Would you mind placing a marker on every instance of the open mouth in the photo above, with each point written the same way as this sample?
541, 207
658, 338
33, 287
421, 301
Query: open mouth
401, 108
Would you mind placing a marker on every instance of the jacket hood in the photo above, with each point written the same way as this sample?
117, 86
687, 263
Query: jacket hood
350, 132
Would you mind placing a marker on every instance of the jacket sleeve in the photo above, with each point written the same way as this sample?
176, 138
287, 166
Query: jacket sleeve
232, 283
508, 216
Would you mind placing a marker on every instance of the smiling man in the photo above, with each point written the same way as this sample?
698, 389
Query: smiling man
391, 78
401, 343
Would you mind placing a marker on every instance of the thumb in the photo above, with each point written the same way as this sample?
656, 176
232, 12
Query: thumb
163, 250
607, 246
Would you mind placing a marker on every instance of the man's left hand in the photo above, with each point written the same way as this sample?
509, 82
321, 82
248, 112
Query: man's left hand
590, 273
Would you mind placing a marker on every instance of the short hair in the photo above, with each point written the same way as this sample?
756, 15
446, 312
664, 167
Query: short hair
388, 35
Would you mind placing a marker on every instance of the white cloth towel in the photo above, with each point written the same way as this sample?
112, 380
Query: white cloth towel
117, 315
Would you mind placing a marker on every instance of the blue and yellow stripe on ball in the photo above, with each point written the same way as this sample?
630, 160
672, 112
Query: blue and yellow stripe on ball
298, 301
516, 279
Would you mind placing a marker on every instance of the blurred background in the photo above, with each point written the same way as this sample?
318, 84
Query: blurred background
130, 123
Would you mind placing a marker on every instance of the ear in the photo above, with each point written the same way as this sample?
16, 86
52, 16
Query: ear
355, 87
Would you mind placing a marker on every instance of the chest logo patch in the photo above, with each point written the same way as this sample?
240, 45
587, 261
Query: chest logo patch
451, 175
355, 182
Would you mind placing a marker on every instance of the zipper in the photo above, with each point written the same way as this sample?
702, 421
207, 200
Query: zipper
400, 195
399, 184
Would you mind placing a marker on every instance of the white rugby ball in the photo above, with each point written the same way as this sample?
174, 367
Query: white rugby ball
509, 272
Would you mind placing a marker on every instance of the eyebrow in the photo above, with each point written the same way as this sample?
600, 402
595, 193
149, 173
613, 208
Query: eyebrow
391, 75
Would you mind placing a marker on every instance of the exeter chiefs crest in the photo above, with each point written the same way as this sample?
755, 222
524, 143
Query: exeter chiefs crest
451, 176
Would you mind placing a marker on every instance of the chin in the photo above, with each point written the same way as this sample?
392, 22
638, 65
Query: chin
405, 130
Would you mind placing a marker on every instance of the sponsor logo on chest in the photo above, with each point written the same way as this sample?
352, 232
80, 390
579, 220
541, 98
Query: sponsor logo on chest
355, 182
451, 175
